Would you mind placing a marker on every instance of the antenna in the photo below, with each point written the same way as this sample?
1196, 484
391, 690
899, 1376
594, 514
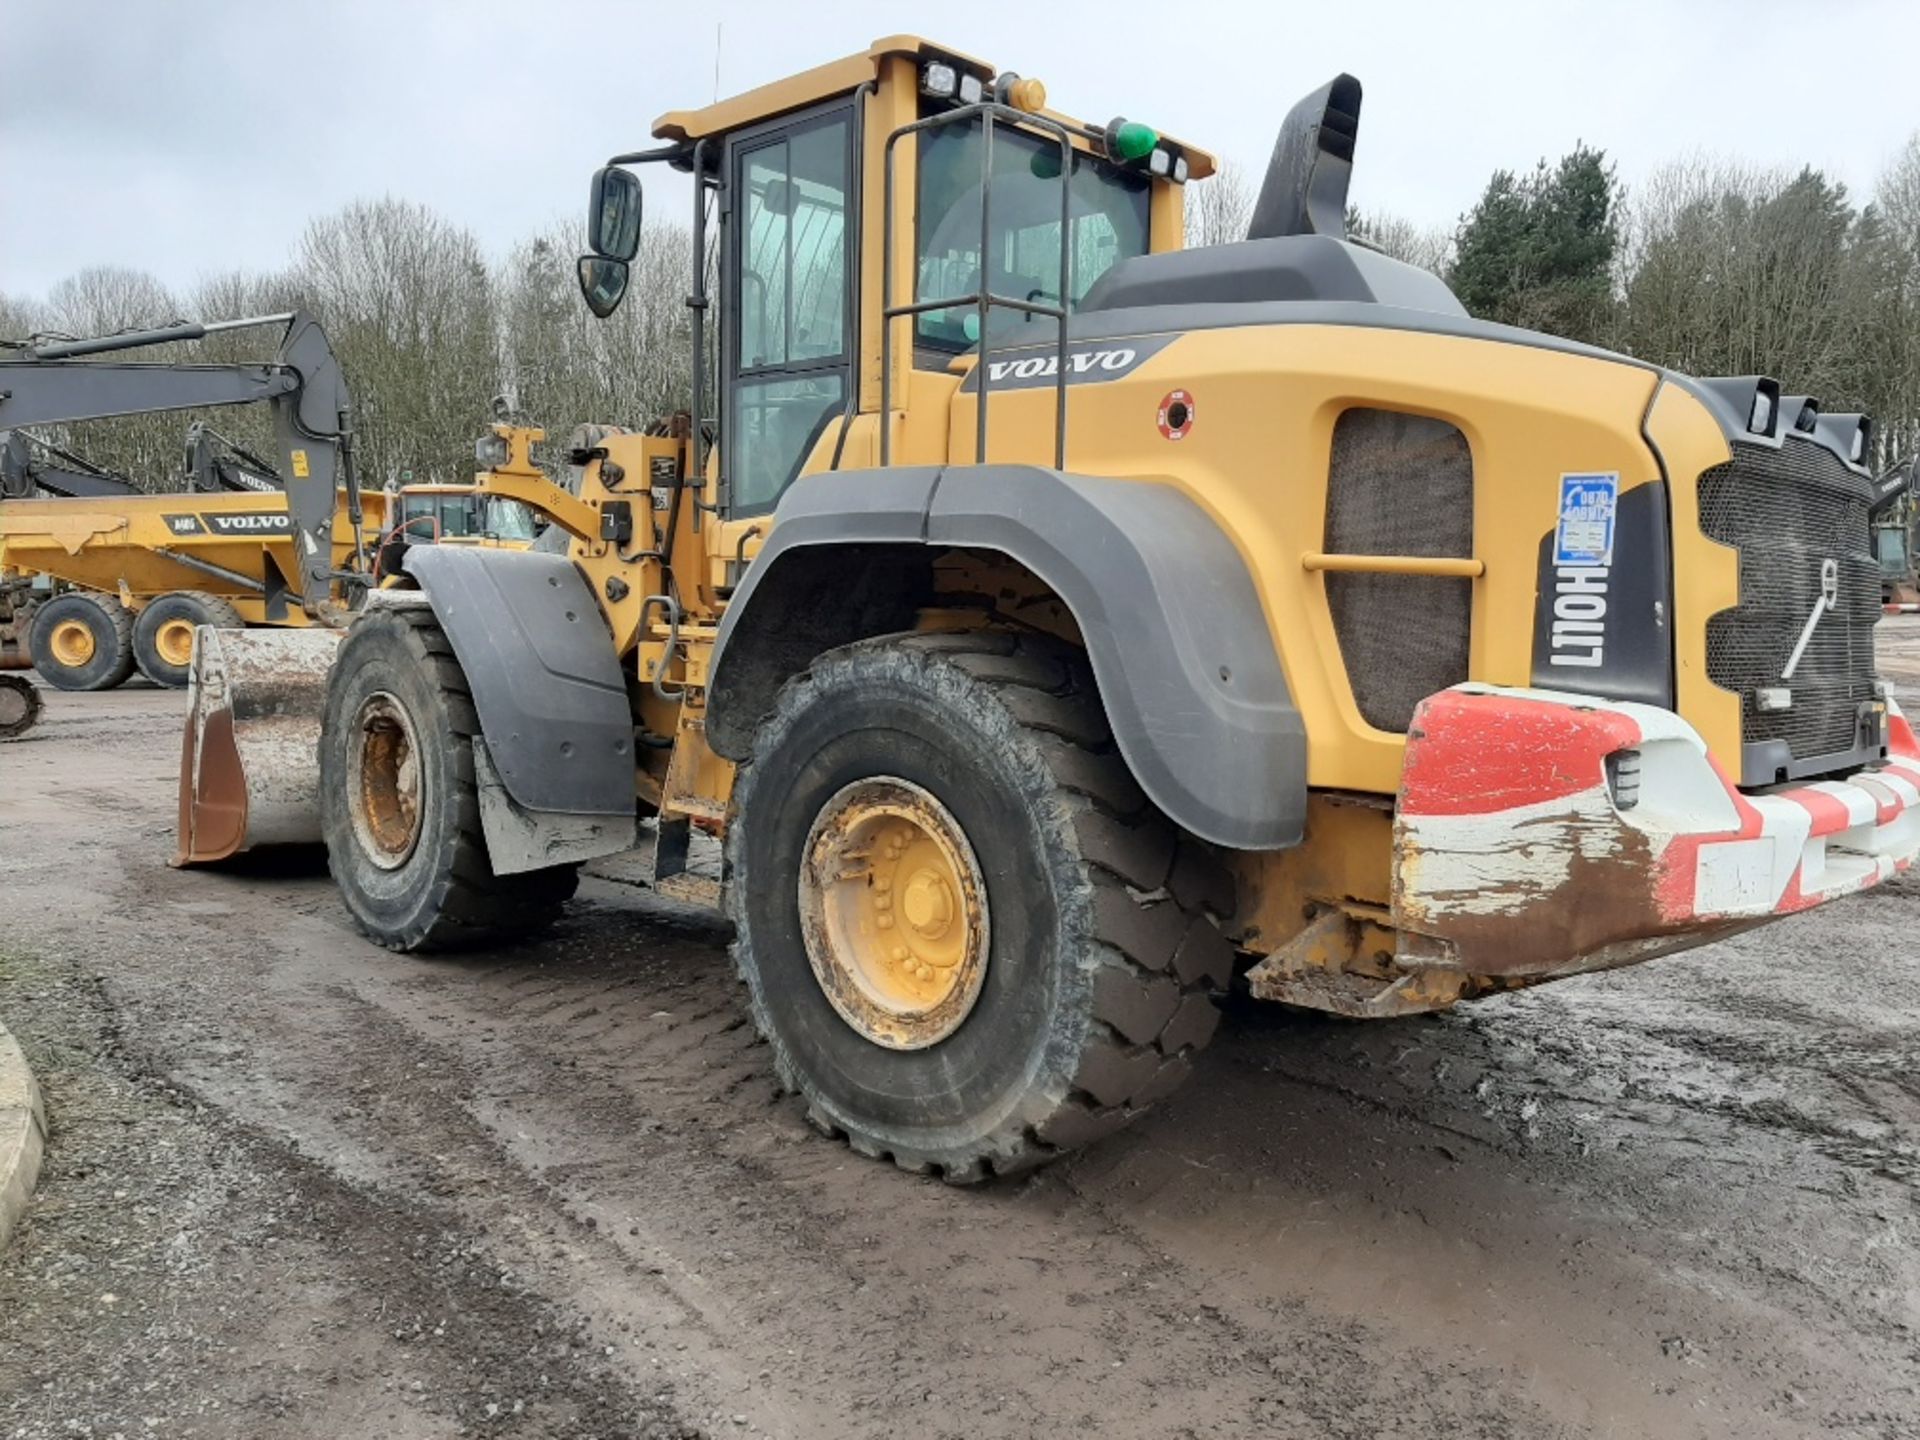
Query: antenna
718, 27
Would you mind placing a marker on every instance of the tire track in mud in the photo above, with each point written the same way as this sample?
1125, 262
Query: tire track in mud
608, 1069
616, 1119
1557, 1213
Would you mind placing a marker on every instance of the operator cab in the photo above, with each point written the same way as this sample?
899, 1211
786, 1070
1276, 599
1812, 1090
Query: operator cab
460, 514
902, 211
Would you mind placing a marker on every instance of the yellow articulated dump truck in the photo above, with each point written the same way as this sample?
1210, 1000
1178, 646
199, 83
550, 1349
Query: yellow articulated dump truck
142, 573
146, 571
1053, 622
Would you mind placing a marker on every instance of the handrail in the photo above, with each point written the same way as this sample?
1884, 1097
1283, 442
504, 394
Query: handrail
982, 299
1447, 565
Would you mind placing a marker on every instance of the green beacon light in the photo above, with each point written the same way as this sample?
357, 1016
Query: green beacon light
1129, 140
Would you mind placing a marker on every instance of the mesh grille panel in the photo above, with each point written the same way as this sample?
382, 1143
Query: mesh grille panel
1399, 485
1788, 511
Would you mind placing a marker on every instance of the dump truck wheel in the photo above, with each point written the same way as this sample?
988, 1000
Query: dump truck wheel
19, 706
163, 632
969, 940
398, 803
82, 641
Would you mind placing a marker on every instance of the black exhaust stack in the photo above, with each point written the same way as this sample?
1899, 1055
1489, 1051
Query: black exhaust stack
1305, 192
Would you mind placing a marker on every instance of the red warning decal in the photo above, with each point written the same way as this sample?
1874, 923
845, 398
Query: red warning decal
1176, 415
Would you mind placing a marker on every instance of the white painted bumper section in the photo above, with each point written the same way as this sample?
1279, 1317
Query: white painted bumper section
1519, 851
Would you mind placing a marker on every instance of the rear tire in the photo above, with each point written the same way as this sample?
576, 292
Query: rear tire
398, 804
82, 641
19, 706
1101, 963
163, 633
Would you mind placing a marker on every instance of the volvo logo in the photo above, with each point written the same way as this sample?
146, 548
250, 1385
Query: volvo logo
1829, 597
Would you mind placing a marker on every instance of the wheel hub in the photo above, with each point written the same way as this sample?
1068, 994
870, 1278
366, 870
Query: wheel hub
385, 796
72, 643
893, 911
174, 641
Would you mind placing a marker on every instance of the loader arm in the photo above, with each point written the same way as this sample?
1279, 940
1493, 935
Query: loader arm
58, 383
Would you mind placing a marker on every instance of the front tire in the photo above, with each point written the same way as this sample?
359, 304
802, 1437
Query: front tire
82, 641
163, 633
19, 706
1100, 963
398, 802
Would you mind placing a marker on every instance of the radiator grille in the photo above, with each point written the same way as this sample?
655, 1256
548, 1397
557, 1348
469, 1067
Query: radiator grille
1789, 511
1399, 485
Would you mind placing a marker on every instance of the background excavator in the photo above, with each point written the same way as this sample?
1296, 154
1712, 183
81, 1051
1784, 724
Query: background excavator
102, 577
32, 467
116, 550
1053, 622
1893, 547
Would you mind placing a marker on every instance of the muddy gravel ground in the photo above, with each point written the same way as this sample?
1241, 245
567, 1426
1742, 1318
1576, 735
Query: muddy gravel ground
298, 1186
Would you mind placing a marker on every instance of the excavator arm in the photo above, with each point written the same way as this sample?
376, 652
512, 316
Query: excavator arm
217, 464
59, 382
28, 464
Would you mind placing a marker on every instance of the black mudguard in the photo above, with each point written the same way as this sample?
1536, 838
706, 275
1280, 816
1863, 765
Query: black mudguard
1187, 667
545, 679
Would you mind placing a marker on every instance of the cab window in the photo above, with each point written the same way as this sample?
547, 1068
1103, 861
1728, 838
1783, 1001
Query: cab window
1108, 217
790, 353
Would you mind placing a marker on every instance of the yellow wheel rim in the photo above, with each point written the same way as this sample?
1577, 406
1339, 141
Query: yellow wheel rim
893, 912
72, 644
174, 641
384, 791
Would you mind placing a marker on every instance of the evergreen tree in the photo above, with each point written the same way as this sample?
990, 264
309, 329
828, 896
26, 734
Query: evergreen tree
1539, 251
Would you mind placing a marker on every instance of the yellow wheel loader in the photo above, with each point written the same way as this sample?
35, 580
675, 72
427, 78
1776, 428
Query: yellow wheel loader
1050, 620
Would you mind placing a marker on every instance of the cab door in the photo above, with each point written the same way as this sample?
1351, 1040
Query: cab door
787, 352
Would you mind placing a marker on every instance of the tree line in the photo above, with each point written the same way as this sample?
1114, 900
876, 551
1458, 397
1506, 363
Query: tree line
428, 331
1710, 267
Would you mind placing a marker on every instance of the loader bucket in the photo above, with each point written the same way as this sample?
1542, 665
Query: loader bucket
250, 758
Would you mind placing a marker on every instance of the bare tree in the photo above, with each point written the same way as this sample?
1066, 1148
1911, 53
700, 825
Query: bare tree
409, 303
1219, 207
564, 367
102, 300
1430, 247
1732, 270
1897, 201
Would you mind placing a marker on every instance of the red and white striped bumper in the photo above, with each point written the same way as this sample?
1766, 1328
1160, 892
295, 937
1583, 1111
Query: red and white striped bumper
1517, 853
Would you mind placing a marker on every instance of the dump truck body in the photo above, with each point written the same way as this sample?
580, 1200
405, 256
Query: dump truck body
238, 547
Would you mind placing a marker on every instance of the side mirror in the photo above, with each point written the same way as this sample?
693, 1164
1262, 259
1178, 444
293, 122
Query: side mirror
613, 214
603, 283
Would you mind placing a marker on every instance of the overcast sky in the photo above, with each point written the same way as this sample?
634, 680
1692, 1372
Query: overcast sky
197, 136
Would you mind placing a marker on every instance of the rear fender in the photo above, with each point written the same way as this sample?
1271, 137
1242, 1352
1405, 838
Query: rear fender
1187, 668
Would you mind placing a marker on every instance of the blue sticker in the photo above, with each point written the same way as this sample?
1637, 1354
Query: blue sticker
1587, 506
